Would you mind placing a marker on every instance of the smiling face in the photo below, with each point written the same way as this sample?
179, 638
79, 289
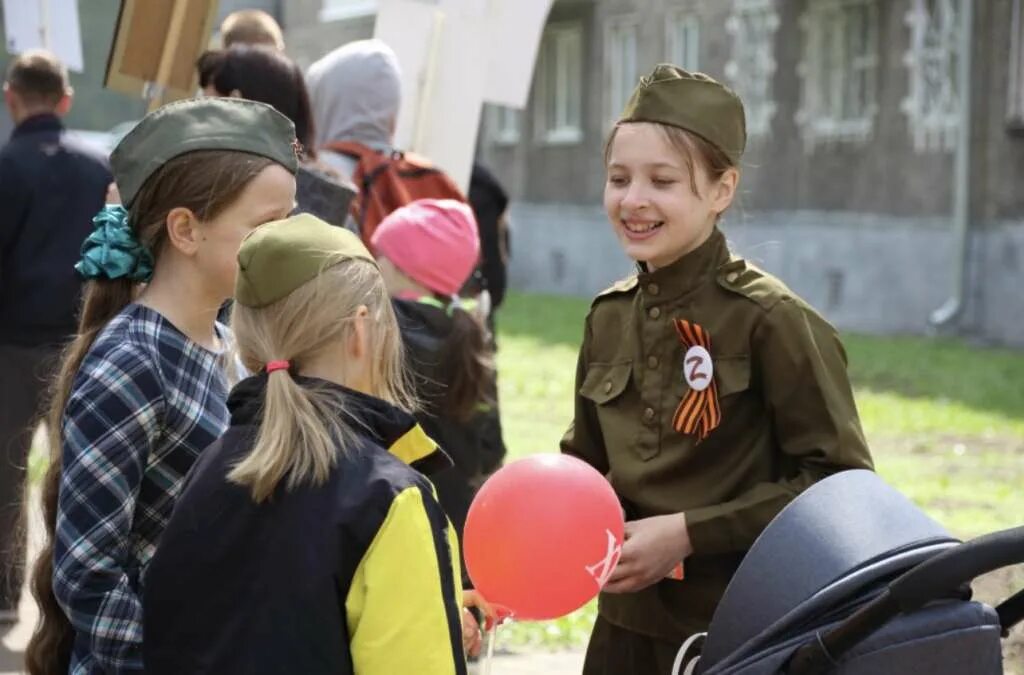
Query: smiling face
661, 204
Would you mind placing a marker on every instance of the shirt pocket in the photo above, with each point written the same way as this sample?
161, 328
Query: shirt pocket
616, 406
732, 374
605, 382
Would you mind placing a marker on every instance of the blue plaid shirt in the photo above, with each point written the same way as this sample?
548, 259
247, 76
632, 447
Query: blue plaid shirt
145, 402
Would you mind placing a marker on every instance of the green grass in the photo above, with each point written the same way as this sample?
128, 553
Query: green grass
945, 421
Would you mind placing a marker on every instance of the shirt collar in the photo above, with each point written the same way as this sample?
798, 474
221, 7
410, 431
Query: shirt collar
36, 123
686, 273
386, 425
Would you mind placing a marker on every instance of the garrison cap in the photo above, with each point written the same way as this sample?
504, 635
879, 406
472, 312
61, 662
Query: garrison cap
278, 257
690, 101
200, 124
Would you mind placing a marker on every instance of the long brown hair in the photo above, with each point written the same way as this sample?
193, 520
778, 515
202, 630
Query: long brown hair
303, 428
467, 355
206, 182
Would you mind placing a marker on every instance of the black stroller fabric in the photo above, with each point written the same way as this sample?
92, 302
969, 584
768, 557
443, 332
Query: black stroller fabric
818, 582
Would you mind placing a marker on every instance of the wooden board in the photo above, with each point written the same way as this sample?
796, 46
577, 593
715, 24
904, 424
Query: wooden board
156, 45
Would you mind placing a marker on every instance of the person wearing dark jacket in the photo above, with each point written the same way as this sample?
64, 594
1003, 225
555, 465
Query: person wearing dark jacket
490, 205
50, 188
307, 539
426, 251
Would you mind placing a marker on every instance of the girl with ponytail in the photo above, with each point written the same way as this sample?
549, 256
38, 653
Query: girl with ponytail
306, 540
142, 389
427, 250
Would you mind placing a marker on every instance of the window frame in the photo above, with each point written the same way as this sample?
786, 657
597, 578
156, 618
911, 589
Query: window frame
933, 127
559, 38
683, 18
340, 10
755, 85
822, 116
505, 124
619, 83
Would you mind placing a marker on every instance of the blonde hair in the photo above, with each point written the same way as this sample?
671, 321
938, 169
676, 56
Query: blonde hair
304, 428
251, 27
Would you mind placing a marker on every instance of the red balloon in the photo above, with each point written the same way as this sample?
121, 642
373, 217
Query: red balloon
543, 536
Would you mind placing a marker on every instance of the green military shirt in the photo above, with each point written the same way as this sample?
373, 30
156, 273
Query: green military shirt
788, 418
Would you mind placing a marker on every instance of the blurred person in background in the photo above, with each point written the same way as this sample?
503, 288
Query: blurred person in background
251, 27
51, 186
265, 74
356, 95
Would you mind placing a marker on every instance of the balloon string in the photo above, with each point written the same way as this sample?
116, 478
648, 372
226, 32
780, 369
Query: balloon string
492, 637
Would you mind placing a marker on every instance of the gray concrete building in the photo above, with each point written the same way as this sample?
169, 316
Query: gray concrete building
848, 183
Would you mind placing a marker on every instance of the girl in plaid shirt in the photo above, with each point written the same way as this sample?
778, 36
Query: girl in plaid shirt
142, 389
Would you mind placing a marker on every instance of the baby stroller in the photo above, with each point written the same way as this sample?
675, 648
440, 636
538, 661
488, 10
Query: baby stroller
852, 579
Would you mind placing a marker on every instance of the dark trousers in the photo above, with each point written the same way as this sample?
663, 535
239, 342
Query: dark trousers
617, 651
24, 377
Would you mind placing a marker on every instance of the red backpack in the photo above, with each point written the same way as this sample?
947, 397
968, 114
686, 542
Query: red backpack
386, 182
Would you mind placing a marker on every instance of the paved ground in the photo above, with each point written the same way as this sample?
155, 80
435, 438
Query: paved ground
13, 643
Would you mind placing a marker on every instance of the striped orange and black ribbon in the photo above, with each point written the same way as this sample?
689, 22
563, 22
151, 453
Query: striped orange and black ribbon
698, 413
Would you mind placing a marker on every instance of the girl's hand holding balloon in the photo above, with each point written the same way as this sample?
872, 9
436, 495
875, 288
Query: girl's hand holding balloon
472, 641
653, 547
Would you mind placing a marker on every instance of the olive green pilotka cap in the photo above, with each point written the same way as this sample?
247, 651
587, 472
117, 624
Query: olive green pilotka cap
280, 256
691, 101
200, 124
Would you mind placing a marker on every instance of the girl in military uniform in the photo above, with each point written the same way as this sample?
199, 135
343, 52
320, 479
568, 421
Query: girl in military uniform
707, 391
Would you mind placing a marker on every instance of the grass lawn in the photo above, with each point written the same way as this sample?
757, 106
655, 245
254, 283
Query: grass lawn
945, 422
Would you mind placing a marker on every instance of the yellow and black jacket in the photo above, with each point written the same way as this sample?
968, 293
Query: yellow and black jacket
358, 575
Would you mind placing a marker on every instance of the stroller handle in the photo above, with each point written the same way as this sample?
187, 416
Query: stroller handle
937, 578
940, 576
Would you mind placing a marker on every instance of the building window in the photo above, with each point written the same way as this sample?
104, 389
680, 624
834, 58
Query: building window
621, 64
753, 24
933, 103
682, 40
504, 123
337, 10
559, 88
1015, 106
839, 70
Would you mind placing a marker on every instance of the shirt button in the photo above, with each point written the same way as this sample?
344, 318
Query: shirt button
655, 312
607, 387
731, 277
653, 289
648, 414
652, 361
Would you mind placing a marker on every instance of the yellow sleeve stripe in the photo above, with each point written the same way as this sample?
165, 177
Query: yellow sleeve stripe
413, 445
404, 604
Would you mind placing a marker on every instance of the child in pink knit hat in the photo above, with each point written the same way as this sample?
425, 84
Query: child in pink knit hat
433, 243
427, 250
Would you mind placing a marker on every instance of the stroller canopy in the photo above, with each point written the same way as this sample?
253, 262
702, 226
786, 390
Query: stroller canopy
840, 535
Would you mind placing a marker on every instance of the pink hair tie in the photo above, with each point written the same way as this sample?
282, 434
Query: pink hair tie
278, 365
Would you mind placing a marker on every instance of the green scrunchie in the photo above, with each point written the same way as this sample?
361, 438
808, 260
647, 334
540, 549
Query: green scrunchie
111, 251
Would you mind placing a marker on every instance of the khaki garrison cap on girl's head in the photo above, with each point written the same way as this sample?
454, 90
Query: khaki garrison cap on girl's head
278, 257
200, 124
691, 101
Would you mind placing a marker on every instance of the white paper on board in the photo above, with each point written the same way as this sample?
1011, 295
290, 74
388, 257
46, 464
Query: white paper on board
455, 55
45, 24
516, 29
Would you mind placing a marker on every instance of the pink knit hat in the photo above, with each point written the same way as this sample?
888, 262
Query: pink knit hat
434, 242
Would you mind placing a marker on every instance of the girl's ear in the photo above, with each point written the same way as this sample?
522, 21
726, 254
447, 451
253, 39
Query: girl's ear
724, 190
183, 230
359, 345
